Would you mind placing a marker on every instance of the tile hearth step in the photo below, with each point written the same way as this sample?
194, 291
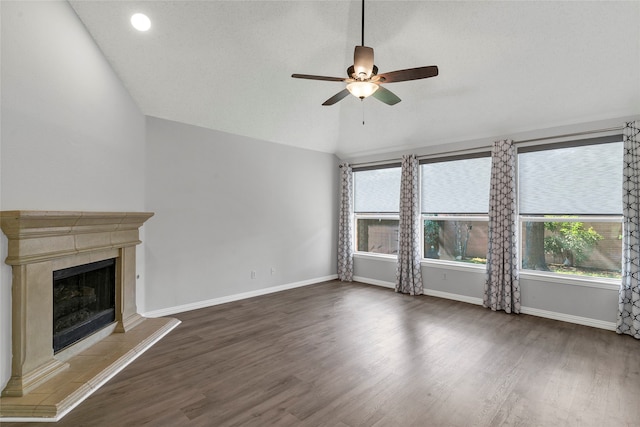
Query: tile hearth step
87, 372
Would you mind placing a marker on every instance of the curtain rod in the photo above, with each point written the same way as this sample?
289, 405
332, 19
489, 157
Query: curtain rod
586, 132
444, 153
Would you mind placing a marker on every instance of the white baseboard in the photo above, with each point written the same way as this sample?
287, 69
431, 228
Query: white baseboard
235, 297
585, 321
455, 297
374, 282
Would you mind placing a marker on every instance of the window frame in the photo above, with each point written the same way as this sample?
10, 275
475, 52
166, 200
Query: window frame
451, 217
379, 216
371, 215
555, 277
549, 276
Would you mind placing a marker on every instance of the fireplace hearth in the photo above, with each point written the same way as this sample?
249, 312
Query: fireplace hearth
71, 270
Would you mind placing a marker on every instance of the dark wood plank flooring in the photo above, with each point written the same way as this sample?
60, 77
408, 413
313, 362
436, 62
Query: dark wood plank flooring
337, 354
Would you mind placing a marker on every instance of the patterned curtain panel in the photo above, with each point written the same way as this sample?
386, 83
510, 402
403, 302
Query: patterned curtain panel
502, 286
629, 301
345, 224
408, 273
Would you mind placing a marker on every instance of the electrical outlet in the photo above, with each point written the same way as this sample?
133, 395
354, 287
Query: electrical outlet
253, 274
273, 271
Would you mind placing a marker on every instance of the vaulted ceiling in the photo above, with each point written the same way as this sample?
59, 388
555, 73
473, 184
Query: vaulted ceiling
508, 66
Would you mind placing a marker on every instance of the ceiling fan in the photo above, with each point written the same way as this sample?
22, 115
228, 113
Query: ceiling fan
363, 79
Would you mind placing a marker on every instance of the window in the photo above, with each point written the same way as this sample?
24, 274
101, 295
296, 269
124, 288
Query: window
571, 208
377, 235
569, 203
376, 205
455, 205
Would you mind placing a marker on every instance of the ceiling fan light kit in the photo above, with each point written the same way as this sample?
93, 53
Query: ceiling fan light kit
362, 89
363, 79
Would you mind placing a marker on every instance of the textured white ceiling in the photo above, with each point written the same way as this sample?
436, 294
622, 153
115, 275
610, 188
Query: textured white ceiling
504, 66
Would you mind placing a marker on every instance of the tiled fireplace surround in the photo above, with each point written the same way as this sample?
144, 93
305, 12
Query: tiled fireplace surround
44, 385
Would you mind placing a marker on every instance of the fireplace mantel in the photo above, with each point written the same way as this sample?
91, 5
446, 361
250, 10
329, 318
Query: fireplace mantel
36, 236
41, 242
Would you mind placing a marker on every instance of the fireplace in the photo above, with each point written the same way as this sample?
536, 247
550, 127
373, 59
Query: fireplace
83, 301
75, 322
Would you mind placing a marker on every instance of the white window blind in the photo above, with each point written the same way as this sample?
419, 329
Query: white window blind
574, 180
377, 190
456, 186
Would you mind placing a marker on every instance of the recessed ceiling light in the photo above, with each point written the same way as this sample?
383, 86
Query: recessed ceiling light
140, 22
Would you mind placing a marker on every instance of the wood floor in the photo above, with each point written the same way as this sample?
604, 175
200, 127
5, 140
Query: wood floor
337, 354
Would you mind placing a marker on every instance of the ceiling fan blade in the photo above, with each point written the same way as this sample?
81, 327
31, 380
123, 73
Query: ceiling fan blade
310, 77
337, 97
363, 61
409, 74
386, 96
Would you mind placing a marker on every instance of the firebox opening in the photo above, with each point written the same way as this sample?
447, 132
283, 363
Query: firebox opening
83, 301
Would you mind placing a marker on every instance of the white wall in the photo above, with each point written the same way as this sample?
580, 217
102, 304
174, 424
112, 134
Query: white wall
72, 137
226, 205
573, 300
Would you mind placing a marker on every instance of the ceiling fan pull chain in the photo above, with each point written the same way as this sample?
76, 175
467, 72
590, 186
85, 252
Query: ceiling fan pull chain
362, 103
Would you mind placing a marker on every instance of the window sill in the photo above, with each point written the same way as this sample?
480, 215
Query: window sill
589, 282
450, 265
453, 265
379, 257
